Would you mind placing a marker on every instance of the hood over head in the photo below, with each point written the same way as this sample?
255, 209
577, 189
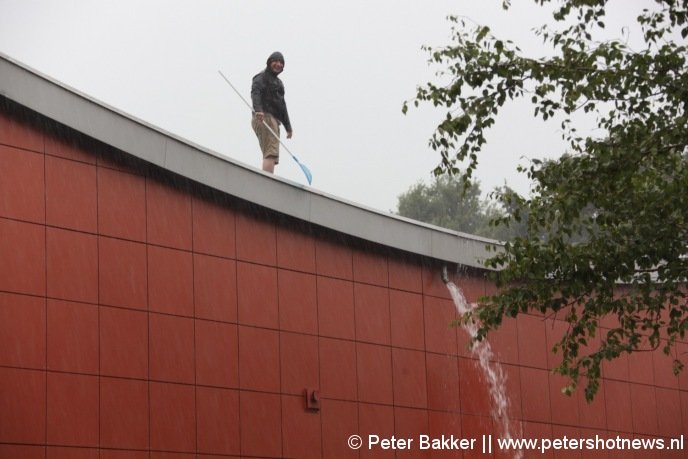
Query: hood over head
276, 56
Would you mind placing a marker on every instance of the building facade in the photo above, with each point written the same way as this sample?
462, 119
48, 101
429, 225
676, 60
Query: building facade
157, 301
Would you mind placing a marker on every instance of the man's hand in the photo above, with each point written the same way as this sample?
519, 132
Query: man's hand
289, 133
260, 116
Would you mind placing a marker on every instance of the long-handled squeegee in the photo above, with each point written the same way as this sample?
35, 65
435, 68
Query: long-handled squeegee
305, 170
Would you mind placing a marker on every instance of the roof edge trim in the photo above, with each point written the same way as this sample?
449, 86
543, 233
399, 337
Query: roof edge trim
96, 119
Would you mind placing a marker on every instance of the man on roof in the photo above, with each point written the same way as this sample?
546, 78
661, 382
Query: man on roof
270, 110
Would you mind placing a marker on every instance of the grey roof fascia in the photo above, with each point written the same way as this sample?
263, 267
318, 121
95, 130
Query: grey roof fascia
82, 113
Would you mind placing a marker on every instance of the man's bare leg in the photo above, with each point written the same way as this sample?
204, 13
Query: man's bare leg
269, 165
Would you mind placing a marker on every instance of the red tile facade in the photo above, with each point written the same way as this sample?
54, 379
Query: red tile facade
143, 316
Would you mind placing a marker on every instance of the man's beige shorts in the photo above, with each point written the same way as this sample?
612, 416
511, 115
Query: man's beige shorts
269, 145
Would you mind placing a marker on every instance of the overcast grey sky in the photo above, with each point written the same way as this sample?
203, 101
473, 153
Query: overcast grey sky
349, 67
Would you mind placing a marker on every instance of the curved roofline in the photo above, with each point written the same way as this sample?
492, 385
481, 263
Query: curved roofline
111, 126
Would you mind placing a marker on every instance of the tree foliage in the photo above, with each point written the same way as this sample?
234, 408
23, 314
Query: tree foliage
607, 226
448, 204
444, 203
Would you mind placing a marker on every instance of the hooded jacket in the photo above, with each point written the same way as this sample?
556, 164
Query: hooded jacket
267, 93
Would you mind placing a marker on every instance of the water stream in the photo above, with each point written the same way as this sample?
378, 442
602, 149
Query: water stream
492, 371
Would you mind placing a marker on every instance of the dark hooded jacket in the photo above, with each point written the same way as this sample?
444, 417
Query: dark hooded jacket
267, 93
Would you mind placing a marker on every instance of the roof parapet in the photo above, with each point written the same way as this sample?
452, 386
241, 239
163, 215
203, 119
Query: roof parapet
59, 102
